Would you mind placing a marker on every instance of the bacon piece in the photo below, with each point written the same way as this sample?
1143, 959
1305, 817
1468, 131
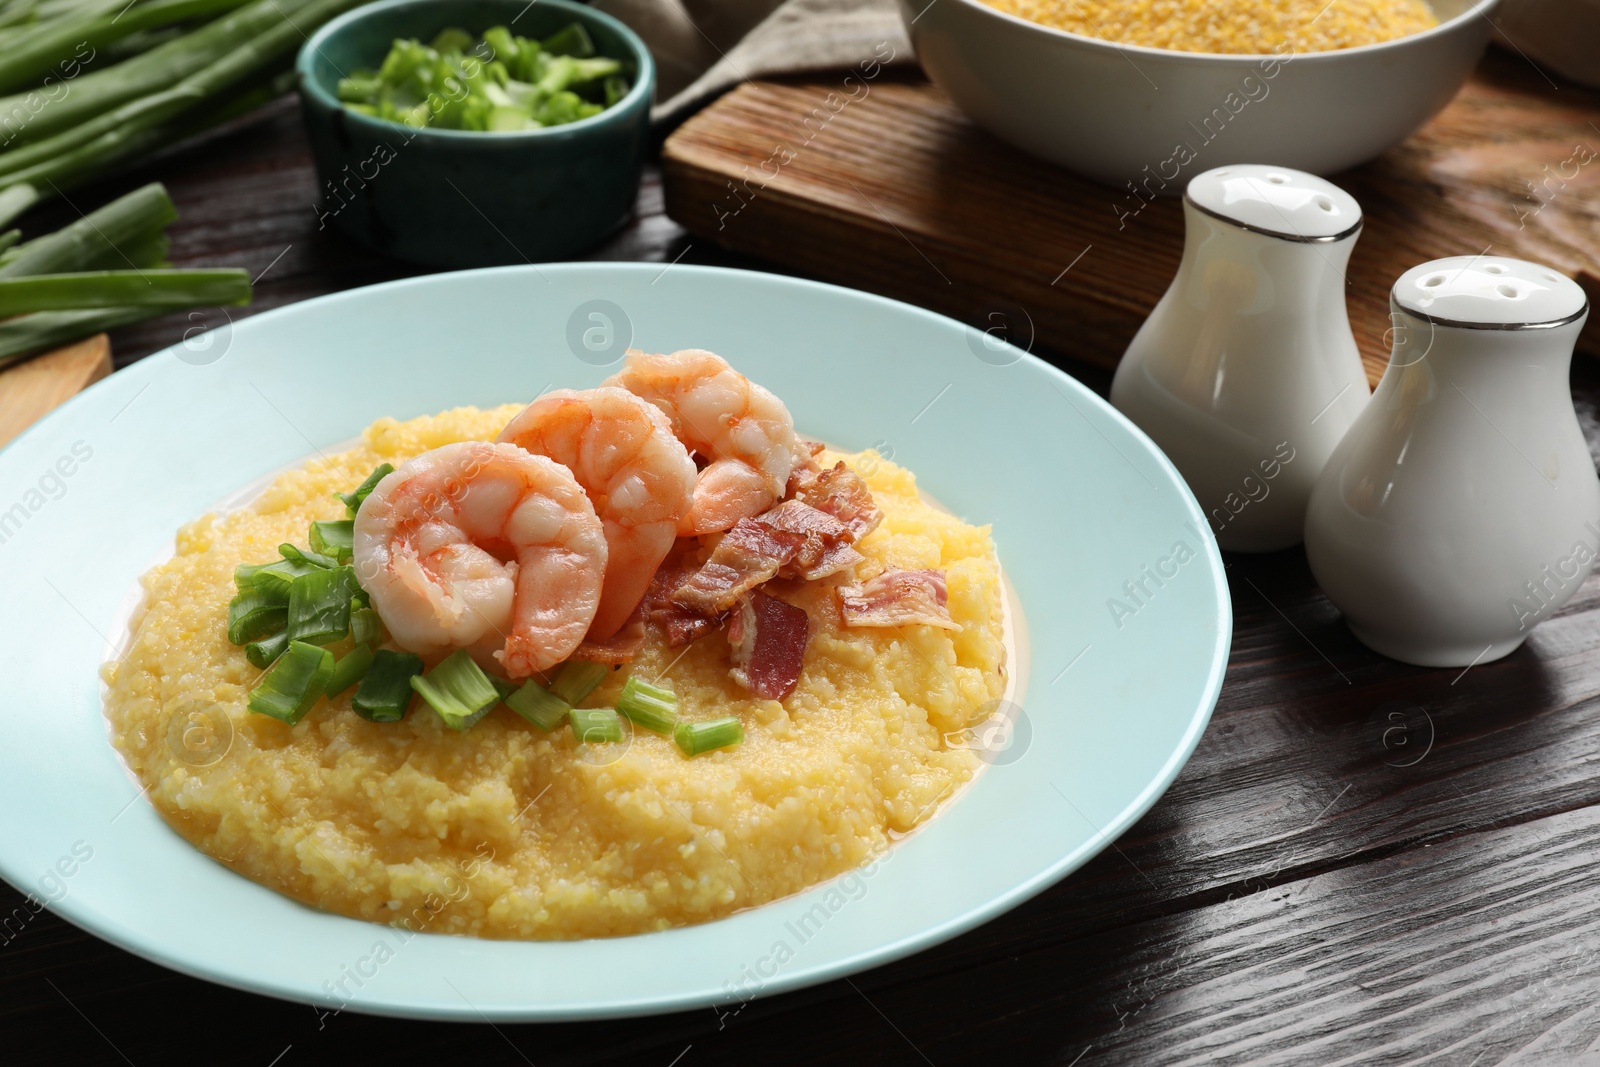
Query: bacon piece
679, 623
802, 474
620, 647
807, 537
768, 640
748, 554
834, 559
819, 530
840, 492
898, 598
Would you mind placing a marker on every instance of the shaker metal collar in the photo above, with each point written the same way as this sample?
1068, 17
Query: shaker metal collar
1280, 235
1460, 324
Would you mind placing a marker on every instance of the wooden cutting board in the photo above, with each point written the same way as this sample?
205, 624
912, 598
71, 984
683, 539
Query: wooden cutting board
899, 193
30, 390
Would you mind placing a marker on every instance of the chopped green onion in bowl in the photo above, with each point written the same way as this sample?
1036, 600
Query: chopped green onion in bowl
499, 83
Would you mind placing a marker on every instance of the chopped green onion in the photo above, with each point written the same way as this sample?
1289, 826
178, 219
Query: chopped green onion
385, 691
264, 652
543, 709
349, 670
334, 538
504, 686
649, 706
271, 580
615, 88
595, 724
244, 572
252, 615
365, 626
458, 690
352, 501
319, 605
697, 737
503, 46
578, 678
300, 555
452, 39
522, 85
294, 683
572, 41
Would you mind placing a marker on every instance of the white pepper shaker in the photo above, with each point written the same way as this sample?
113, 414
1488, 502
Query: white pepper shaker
1462, 507
1246, 373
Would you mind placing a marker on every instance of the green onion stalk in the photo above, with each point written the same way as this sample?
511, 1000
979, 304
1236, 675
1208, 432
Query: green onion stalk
62, 47
16, 199
30, 334
164, 290
97, 93
97, 274
18, 14
87, 146
99, 240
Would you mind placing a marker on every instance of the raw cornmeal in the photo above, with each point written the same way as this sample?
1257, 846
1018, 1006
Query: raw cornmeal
1235, 27
550, 839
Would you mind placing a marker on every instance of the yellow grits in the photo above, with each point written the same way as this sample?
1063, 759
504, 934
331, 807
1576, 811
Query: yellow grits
504, 831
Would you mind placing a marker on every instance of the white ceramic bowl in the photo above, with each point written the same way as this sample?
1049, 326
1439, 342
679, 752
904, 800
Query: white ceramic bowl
1151, 117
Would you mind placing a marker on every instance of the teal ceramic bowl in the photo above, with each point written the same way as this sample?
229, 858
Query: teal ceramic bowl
454, 198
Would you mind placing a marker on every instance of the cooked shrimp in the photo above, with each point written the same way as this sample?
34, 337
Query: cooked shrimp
745, 432
482, 546
637, 474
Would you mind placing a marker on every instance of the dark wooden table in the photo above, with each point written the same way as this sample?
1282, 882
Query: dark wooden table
1363, 862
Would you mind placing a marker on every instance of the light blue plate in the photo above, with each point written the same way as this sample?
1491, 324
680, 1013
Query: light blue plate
1081, 503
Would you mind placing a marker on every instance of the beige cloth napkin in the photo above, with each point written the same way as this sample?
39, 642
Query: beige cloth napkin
705, 47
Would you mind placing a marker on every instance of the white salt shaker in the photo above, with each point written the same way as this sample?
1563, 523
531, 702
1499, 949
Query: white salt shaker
1246, 373
1462, 507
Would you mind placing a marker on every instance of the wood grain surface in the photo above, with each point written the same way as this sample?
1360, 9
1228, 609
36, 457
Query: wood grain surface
899, 193
31, 390
1364, 862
